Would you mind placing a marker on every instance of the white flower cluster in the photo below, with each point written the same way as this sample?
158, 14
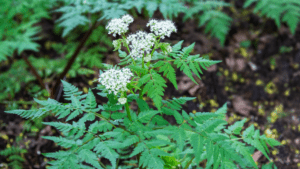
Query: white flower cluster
115, 80
140, 42
122, 100
162, 28
119, 26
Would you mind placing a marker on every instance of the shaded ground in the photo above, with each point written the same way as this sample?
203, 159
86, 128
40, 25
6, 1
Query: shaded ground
254, 80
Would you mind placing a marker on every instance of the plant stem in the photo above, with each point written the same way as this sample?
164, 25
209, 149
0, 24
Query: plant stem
187, 165
74, 56
35, 73
128, 49
127, 108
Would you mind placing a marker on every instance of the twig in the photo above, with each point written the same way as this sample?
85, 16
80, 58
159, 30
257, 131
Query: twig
75, 54
60, 90
35, 72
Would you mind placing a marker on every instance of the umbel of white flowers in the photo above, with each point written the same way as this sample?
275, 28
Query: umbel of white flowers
119, 26
116, 80
140, 42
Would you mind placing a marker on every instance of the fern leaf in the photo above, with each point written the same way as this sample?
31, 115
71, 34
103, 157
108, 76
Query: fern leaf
159, 120
201, 117
107, 152
90, 100
89, 157
257, 145
151, 7
71, 19
177, 46
63, 127
236, 127
180, 137
101, 126
169, 72
70, 90
211, 125
150, 160
248, 3
145, 116
62, 141
138, 149
25, 113
130, 140
155, 89
197, 144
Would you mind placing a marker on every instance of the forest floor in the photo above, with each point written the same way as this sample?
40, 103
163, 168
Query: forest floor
258, 78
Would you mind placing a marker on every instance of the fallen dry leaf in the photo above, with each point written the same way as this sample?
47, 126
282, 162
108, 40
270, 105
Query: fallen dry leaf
240, 36
240, 64
193, 90
241, 106
236, 64
212, 68
256, 155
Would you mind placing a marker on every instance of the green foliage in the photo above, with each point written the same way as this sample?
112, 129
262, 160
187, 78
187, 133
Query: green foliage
108, 137
90, 57
12, 79
14, 155
75, 12
280, 11
216, 22
17, 31
90, 131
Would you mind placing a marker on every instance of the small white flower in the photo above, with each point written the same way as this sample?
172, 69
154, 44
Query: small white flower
115, 80
162, 28
147, 58
169, 50
140, 43
119, 26
127, 19
122, 100
117, 44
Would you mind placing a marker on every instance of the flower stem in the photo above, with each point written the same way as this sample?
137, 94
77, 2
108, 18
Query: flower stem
128, 49
188, 164
148, 64
127, 107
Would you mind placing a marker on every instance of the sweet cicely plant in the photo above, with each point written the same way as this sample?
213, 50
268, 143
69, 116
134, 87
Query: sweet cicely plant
143, 138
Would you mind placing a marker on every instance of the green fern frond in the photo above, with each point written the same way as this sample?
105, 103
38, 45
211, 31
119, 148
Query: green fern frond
70, 90
102, 126
109, 153
150, 159
280, 11
63, 141
154, 87
217, 22
89, 157
146, 116
12, 150
168, 70
188, 63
